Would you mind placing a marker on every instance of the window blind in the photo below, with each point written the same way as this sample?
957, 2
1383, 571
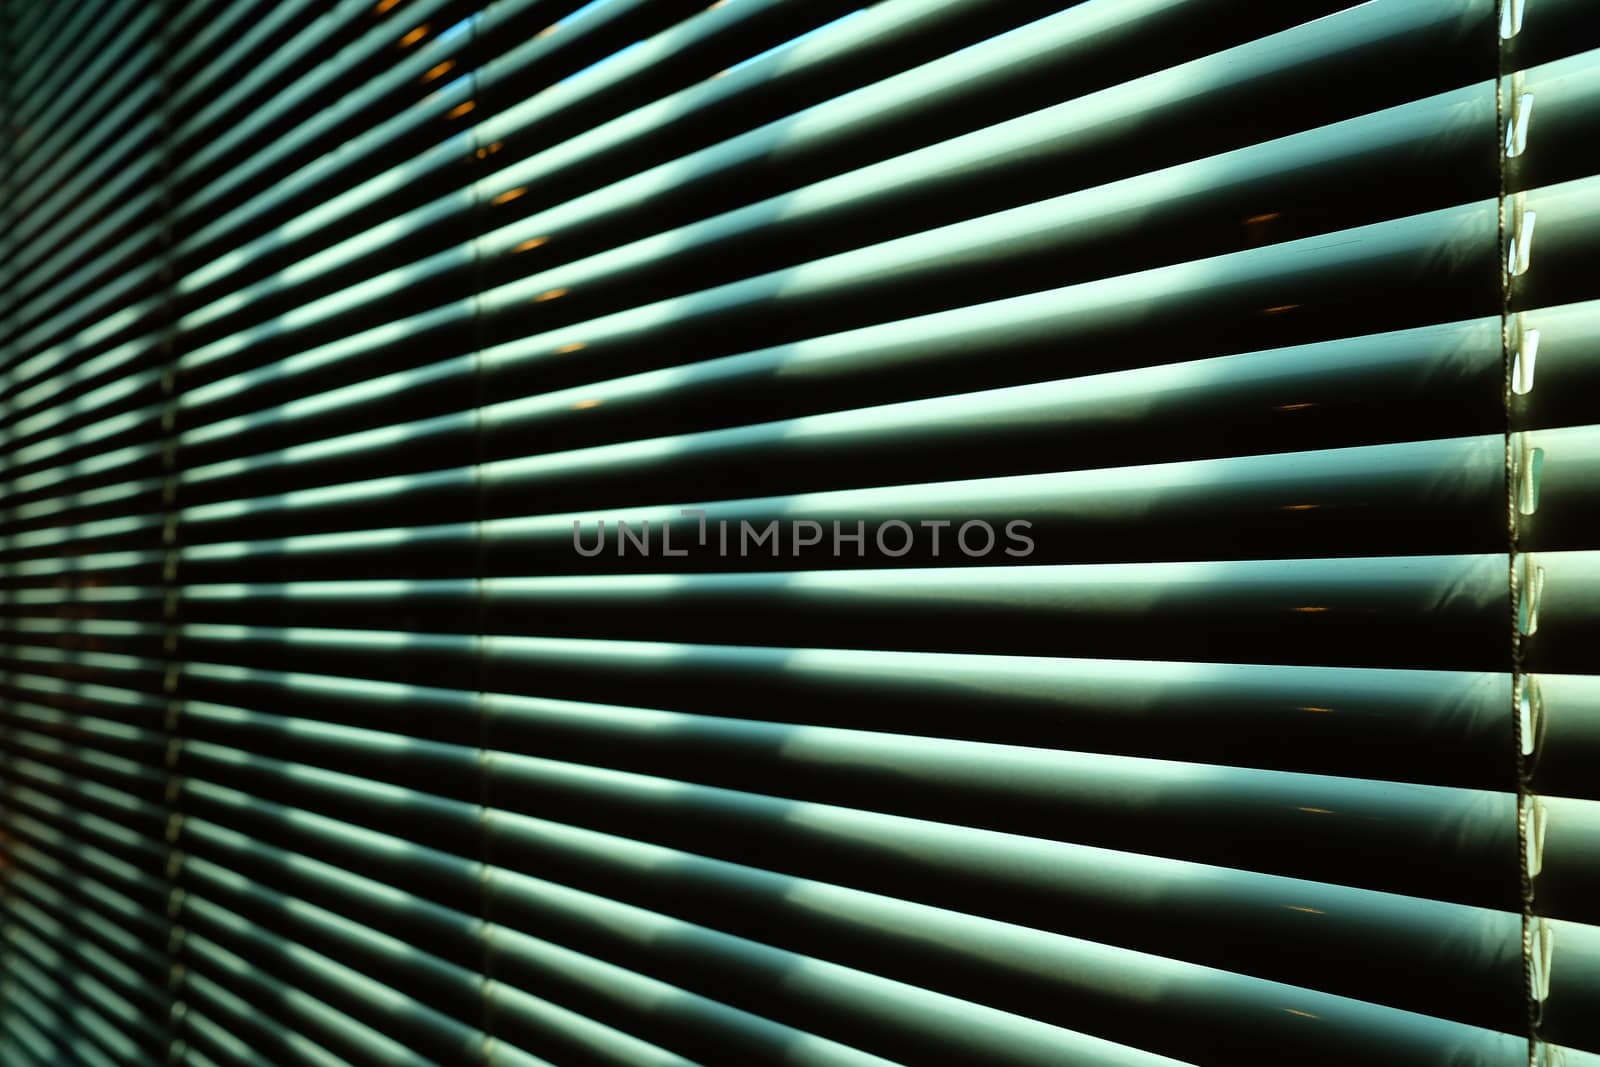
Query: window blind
815, 533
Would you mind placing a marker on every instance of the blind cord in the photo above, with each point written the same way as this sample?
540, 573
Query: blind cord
1522, 465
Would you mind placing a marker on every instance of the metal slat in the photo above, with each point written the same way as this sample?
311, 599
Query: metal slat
368, 1013
870, 1011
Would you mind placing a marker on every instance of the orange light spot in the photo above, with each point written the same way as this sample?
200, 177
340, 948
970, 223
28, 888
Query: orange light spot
576, 346
1301, 507
1301, 908
509, 195
1279, 309
1310, 609
553, 294
1312, 707
530, 244
548, 30
1303, 1014
1256, 220
584, 404
460, 109
1295, 407
385, 6
414, 36
1316, 811
440, 71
